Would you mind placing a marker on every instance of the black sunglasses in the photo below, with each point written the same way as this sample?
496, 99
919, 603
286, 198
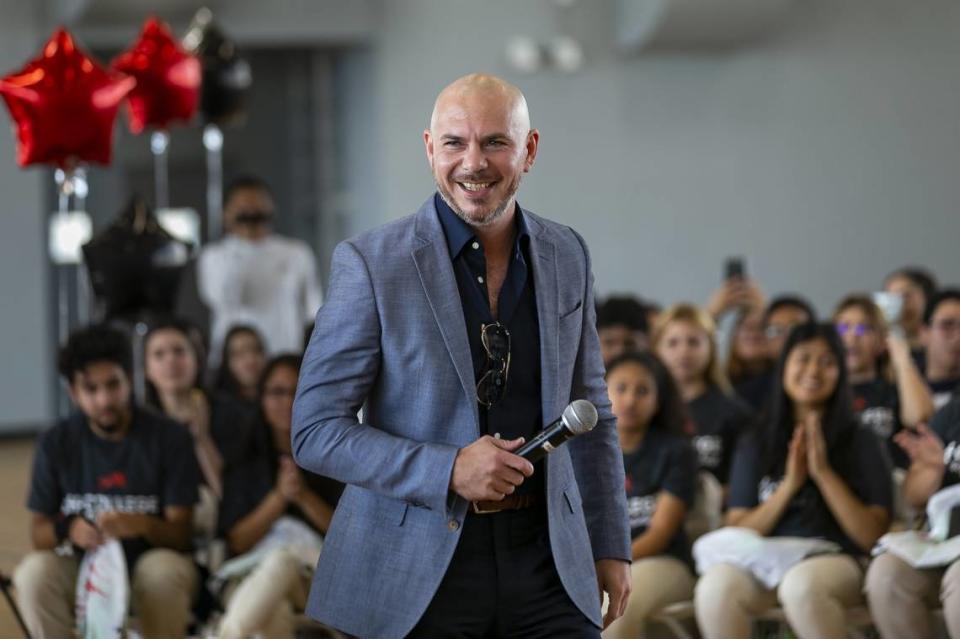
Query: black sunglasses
493, 383
253, 218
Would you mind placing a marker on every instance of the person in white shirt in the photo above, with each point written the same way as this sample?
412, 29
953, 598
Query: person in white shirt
255, 276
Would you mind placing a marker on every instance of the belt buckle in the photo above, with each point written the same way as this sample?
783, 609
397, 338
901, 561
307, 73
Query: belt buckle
483, 511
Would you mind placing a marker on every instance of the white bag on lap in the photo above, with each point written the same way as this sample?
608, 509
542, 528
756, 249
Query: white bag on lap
767, 558
103, 592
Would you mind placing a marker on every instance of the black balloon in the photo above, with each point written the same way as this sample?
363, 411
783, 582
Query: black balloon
226, 76
135, 266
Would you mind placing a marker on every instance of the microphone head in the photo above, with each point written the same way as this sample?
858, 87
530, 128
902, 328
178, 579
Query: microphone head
580, 416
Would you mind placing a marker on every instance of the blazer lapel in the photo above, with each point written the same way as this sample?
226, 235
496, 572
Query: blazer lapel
546, 287
435, 269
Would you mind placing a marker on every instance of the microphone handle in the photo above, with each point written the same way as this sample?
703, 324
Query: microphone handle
544, 442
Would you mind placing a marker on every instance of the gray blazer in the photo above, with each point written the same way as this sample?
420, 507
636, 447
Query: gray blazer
391, 338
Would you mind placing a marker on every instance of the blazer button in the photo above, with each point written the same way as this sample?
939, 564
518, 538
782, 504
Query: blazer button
453, 525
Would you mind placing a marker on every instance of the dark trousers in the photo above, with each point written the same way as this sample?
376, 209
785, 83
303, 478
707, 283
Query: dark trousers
502, 582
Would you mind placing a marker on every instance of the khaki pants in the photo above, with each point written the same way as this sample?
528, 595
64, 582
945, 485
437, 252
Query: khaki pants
901, 596
264, 603
163, 586
657, 582
814, 595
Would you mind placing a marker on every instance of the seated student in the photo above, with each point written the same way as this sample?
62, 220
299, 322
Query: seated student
888, 390
221, 427
749, 358
808, 471
685, 340
241, 364
622, 326
112, 470
899, 594
660, 470
255, 498
942, 331
916, 287
782, 314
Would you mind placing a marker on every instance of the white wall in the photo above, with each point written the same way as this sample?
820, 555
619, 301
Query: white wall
26, 369
827, 156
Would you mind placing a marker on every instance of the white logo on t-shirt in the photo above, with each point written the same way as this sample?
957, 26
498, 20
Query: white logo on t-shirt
880, 420
709, 450
767, 487
640, 510
89, 505
951, 457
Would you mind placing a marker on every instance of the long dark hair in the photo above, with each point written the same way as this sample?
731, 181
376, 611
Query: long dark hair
671, 414
284, 360
190, 333
838, 421
225, 381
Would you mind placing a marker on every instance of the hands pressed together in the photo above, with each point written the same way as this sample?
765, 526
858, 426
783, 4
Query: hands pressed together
807, 456
289, 480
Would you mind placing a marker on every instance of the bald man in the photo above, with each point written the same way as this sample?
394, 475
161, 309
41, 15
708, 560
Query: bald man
463, 330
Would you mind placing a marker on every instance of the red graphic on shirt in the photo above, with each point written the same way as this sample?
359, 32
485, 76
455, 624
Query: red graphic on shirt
859, 404
116, 479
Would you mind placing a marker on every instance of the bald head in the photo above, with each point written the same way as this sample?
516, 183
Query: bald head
488, 90
479, 145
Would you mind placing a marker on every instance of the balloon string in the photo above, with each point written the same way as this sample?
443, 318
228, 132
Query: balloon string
159, 143
213, 142
79, 179
64, 181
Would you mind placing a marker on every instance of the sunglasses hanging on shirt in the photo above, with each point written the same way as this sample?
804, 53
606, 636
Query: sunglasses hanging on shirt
493, 382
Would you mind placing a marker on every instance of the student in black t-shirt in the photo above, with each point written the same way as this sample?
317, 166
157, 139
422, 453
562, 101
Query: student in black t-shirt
888, 390
899, 594
809, 470
109, 471
942, 332
916, 287
241, 364
256, 497
660, 468
222, 427
782, 314
685, 340
749, 357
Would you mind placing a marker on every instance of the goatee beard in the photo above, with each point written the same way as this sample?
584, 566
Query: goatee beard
487, 219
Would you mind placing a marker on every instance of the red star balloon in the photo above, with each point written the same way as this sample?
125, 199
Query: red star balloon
64, 105
168, 78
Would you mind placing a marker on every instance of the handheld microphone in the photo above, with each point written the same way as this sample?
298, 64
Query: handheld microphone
578, 418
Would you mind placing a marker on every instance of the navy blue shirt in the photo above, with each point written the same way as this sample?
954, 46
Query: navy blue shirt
862, 463
943, 391
946, 424
663, 462
718, 419
877, 405
755, 391
518, 413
